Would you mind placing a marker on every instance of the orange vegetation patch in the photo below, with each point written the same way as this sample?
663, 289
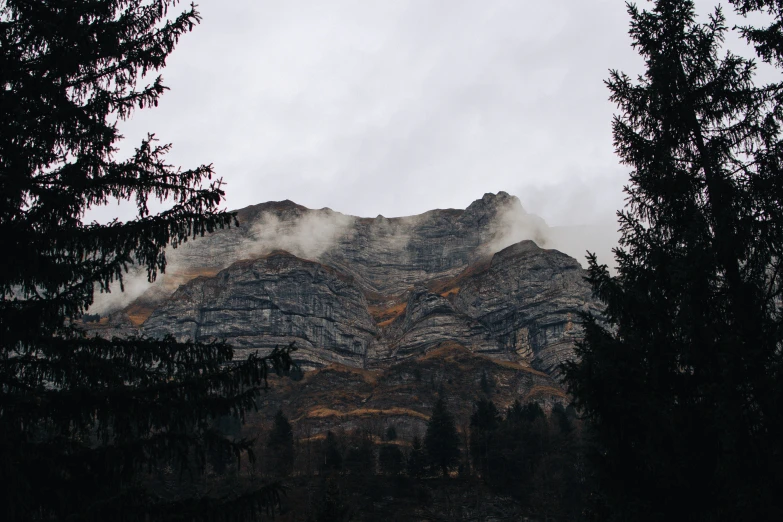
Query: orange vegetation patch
451, 286
538, 391
447, 293
369, 376
450, 349
138, 313
321, 412
174, 279
445, 349
314, 438
385, 315
514, 365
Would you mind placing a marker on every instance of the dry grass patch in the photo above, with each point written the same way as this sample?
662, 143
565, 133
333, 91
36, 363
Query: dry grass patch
448, 293
368, 376
444, 350
539, 391
451, 286
322, 412
385, 315
138, 313
514, 365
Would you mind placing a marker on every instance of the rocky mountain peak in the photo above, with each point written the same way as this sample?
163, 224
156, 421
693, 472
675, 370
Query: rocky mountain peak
490, 203
374, 304
367, 292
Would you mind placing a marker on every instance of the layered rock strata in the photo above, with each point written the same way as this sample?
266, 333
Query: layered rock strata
369, 293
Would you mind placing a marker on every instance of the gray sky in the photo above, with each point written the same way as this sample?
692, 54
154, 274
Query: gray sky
397, 107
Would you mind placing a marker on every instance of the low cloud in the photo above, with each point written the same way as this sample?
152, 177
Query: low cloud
316, 232
308, 237
577, 240
513, 224
134, 283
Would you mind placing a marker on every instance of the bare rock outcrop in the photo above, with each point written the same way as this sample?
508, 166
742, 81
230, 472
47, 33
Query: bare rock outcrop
369, 293
272, 301
528, 299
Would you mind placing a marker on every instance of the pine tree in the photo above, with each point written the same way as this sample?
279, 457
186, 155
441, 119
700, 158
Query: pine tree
441, 440
417, 458
332, 458
390, 459
768, 41
681, 377
87, 423
281, 444
486, 387
484, 424
518, 448
333, 507
360, 455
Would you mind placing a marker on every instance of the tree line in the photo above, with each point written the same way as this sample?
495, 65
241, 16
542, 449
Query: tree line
523, 453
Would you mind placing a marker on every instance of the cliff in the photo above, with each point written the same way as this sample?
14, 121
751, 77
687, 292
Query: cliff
376, 294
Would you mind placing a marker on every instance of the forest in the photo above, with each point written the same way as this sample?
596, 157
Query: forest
518, 463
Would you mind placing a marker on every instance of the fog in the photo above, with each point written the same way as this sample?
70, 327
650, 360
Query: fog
308, 237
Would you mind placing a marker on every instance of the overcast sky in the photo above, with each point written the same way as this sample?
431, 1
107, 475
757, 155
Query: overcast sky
396, 107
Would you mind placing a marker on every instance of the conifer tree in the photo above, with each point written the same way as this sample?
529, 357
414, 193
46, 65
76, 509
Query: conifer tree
332, 458
281, 443
417, 458
441, 439
360, 454
390, 459
681, 377
333, 507
85, 422
768, 40
484, 424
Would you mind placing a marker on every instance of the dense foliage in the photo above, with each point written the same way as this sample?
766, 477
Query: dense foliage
536, 467
441, 440
281, 444
682, 375
87, 424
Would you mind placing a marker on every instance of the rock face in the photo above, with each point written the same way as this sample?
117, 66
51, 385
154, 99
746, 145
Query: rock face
272, 301
403, 394
371, 293
528, 299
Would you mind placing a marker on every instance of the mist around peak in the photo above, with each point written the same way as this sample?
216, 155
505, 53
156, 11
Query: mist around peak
512, 224
499, 219
309, 236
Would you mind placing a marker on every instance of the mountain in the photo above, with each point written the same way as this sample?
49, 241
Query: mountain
373, 296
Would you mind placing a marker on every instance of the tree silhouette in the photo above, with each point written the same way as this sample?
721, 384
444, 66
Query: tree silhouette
281, 443
682, 375
486, 387
441, 440
484, 424
333, 507
768, 40
417, 458
331, 456
391, 459
85, 422
360, 455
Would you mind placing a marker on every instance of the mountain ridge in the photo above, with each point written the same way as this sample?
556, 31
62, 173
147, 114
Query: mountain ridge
369, 292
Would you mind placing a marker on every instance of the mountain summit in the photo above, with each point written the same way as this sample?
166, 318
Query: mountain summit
370, 292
